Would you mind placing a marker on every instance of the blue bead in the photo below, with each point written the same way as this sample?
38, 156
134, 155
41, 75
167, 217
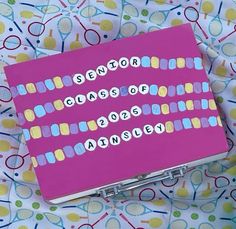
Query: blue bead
146, 109
180, 89
187, 123
50, 157
172, 64
55, 130
124, 91
83, 126
26, 134
198, 63
156, 109
205, 87
21, 89
49, 84
145, 61
79, 149
153, 89
39, 111
204, 103
181, 106
212, 121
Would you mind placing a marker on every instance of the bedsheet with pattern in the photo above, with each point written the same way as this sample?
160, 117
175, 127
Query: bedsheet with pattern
205, 198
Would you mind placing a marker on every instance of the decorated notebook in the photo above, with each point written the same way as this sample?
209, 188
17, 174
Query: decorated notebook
107, 114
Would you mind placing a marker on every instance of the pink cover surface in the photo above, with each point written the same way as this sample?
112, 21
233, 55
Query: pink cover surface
139, 155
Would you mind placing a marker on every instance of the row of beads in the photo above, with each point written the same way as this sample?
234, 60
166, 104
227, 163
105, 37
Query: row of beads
64, 129
144, 89
58, 82
103, 142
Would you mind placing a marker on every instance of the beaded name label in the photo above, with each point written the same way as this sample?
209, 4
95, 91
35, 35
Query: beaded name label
110, 112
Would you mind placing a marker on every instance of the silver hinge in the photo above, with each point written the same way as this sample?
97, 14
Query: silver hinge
142, 180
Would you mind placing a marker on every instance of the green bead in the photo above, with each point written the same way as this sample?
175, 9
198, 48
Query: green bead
126, 17
37, 192
12, 2
144, 12
18, 203
211, 218
35, 205
176, 213
194, 216
219, 99
39, 216
53, 208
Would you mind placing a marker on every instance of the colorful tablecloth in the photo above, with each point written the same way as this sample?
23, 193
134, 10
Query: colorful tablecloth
205, 198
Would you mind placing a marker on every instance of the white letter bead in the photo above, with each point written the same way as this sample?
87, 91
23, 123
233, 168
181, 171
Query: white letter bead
102, 122
78, 79
115, 140
114, 92
133, 90
136, 111
113, 117
69, 102
92, 96
91, 75
137, 132
126, 135
123, 62
90, 145
125, 115
148, 129
143, 89
103, 142
159, 128
135, 61
112, 65
103, 94
101, 70
80, 99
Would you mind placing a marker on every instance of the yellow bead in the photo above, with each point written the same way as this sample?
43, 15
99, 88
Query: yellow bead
212, 104
189, 88
35, 132
57, 81
64, 129
29, 115
162, 91
92, 125
30, 88
169, 127
219, 121
189, 104
165, 109
196, 123
59, 155
155, 62
34, 162
58, 104
180, 62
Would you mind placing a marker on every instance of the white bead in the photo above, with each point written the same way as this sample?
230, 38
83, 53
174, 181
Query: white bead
159, 128
80, 99
136, 111
137, 132
114, 92
103, 142
148, 129
133, 90
90, 145
113, 117
103, 94
102, 122
101, 70
78, 78
125, 115
92, 96
126, 135
143, 89
91, 75
115, 140
69, 101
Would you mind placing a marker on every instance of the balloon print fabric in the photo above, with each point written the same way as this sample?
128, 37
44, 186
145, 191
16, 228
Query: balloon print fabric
205, 198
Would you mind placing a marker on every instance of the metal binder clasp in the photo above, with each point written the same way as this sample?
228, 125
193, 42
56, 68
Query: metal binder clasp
141, 180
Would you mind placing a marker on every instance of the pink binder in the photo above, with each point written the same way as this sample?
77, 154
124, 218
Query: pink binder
119, 115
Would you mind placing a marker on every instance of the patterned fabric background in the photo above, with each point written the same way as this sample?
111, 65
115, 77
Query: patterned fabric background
205, 198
